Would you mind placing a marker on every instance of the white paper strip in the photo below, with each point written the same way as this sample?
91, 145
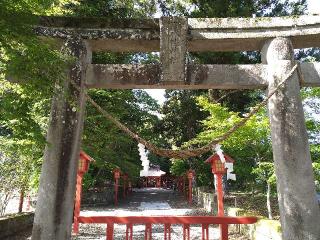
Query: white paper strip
220, 153
230, 175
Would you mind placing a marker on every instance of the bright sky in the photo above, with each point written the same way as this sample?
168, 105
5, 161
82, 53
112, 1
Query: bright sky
158, 94
313, 6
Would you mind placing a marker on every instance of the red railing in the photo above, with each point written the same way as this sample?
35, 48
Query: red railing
167, 221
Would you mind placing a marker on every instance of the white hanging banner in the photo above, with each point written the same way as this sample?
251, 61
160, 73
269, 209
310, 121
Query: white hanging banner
229, 167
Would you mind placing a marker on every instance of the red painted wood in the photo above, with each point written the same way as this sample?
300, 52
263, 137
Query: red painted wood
129, 232
217, 166
205, 232
77, 204
220, 195
167, 232
83, 167
186, 232
21, 201
148, 232
158, 182
223, 231
110, 230
190, 191
167, 220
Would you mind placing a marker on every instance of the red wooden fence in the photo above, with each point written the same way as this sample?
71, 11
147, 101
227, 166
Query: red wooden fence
167, 221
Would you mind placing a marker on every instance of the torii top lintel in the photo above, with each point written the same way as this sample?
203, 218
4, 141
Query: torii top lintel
204, 34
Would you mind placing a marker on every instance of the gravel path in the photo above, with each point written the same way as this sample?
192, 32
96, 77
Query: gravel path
143, 202
146, 202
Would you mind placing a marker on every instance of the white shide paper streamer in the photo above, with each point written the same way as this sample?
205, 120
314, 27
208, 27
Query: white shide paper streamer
228, 165
144, 159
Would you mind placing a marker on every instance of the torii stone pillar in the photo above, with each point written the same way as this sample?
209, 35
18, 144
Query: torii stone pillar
299, 211
53, 215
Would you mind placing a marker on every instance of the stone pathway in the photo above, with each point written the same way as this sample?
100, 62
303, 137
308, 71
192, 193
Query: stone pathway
145, 202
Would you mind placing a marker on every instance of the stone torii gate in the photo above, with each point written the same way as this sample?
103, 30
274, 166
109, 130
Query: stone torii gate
173, 37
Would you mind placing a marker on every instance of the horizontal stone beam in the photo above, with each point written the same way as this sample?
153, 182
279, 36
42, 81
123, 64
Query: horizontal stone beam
204, 34
123, 76
310, 74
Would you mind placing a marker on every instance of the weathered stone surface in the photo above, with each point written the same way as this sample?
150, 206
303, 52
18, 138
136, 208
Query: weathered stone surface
208, 34
122, 76
227, 76
12, 225
54, 210
173, 49
97, 22
252, 23
249, 76
125, 45
311, 74
299, 211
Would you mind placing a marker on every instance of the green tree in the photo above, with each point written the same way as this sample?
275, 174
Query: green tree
265, 175
248, 145
37, 65
181, 116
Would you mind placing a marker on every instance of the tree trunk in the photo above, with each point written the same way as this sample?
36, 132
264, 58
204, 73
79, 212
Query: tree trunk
268, 200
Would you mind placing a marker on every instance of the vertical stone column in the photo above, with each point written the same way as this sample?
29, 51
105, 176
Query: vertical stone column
55, 204
173, 48
299, 211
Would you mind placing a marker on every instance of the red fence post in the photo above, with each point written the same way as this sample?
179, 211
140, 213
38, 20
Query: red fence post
129, 232
158, 182
116, 174
223, 227
190, 175
223, 231
205, 232
110, 229
21, 200
148, 232
83, 167
77, 204
220, 195
186, 232
167, 232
